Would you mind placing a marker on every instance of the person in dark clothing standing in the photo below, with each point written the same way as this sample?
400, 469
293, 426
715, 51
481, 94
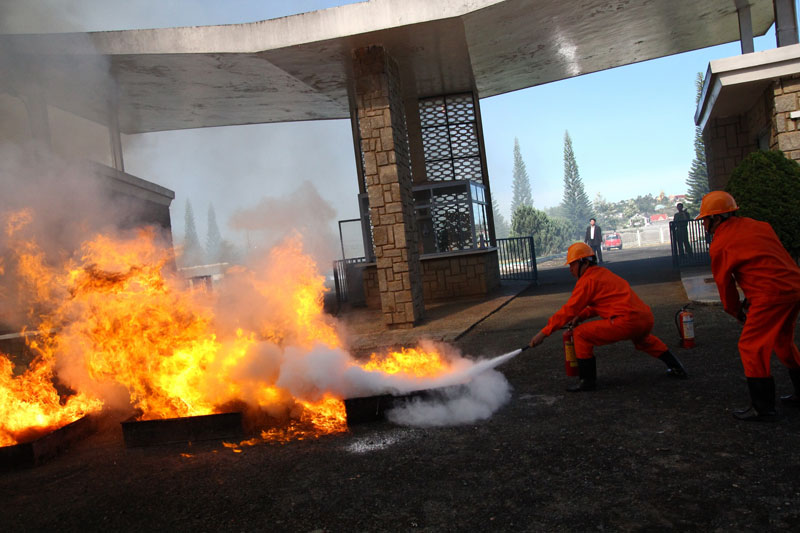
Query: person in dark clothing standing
681, 224
594, 238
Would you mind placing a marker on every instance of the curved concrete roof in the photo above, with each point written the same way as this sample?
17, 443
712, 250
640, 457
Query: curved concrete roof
298, 67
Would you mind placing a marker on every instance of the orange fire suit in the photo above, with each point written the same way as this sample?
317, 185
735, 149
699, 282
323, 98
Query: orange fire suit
600, 292
748, 252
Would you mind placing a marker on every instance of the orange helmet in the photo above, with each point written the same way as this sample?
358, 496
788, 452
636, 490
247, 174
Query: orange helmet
579, 250
716, 203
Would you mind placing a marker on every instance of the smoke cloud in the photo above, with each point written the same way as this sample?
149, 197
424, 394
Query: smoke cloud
302, 210
57, 204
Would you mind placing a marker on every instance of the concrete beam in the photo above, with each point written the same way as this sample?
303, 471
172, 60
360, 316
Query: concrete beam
297, 67
732, 84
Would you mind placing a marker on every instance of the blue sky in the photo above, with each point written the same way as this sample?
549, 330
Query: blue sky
632, 127
632, 130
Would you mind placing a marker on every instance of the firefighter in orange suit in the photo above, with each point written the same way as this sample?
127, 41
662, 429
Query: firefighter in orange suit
748, 252
623, 315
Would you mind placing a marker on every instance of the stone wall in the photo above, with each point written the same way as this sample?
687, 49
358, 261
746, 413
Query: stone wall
729, 140
785, 133
387, 176
471, 274
445, 277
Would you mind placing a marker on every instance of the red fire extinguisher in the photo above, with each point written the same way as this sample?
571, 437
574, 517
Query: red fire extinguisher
684, 321
570, 361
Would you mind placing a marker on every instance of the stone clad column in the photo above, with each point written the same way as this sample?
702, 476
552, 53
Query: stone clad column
387, 175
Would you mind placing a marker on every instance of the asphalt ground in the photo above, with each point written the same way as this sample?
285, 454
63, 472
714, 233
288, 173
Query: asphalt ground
643, 452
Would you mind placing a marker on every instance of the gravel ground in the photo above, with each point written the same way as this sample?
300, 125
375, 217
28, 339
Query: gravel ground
643, 452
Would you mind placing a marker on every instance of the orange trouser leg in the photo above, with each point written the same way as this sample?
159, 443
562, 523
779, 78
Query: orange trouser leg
651, 345
768, 328
607, 331
785, 347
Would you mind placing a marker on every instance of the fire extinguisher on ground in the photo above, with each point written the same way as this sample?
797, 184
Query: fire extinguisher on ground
684, 321
570, 360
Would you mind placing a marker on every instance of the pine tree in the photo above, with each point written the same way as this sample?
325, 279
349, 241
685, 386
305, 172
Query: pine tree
697, 182
501, 228
213, 239
192, 251
522, 185
575, 204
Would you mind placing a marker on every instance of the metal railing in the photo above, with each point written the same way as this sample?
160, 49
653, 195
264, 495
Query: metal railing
689, 242
517, 258
342, 270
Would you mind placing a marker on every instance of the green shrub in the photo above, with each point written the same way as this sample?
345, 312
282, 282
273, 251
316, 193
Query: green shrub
550, 234
766, 186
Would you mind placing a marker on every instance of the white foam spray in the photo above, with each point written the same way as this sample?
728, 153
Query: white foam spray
482, 392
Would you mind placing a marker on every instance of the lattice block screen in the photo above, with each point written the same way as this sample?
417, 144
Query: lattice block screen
432, 112
441, 170
450, 138
452, 221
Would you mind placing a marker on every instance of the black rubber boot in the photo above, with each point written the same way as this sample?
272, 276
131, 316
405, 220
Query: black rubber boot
762, 396
674, 366
587, 372
793, 400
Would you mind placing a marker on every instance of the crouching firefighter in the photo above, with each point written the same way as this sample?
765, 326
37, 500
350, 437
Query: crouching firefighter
623, 315
748, 252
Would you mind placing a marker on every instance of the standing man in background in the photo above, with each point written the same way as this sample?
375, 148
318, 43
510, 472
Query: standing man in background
681, 220
594, 238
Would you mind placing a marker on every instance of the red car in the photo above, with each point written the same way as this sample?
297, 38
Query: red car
612, 240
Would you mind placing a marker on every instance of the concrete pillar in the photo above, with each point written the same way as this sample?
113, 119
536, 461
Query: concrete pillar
785, 22
745, 27
115, 138
38, 117
387, 175
485, 171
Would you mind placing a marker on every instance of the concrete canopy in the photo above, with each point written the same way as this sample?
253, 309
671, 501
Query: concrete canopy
733, 84
299, 67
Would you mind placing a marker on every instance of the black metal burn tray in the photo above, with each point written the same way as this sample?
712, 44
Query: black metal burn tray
182, 430
373, 408
37, 451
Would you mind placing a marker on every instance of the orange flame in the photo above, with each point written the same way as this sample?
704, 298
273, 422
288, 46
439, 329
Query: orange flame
411, 361
117, 320
30, 405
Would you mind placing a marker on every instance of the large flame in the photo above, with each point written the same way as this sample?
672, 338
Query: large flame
30, 406
115, 321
